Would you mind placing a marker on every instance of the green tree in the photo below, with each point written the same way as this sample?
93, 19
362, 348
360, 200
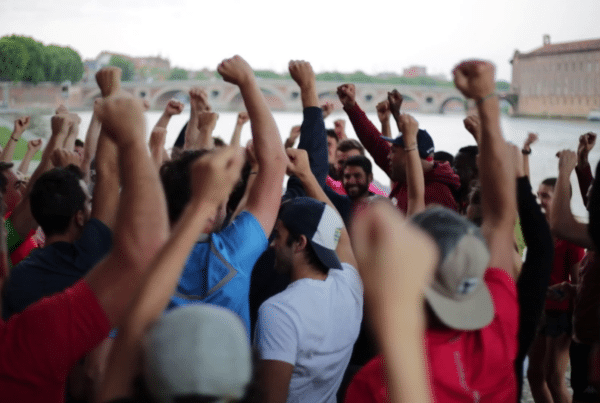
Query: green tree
34, 69
13, 60
502, 85
125, 65
178, 74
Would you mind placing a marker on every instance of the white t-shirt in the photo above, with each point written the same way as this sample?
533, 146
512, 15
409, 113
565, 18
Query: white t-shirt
313, 325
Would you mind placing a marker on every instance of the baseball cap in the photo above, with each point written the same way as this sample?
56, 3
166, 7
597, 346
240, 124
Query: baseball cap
424, 143
199, 349
321, 225
458, 294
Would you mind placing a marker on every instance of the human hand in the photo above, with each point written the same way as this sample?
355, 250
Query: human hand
383, 111
339, 127
242, 118
61, 124
122, 118
21, 124
61, 109
299, 164
395, 102
327, 108
473, 126
475, 79
531, 138
174, 107
567, 160
34, 145
207, 121
199, 100
302, 73
214, 175
347, 95
517, 160
294, 133
236, 71
109, 80
62, 157
586, 143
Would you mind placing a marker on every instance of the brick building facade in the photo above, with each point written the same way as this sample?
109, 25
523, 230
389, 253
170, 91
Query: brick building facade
561, 79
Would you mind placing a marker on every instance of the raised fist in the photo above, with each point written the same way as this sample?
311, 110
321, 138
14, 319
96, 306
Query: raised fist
215, 173
109, 80
242, 118
475, 79
339, 127
145, 104
567, 160
298, 161
158, 138
174, 107
347, 95
61, 109
586, 143
21, 124
236, 71
531, 138
409, 127
327, 108
473, 126
62, 157
34, 145
207, 121
61, 123
199, 100
395, 102
122, 118
302, 73
383, 111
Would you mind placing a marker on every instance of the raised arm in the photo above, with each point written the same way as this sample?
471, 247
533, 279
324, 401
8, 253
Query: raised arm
207, 121
21, 124
475, 79
105, 199
242, 119
562, 221
198, 103
383, 114
300, 167
91, 143
294, 134
174, 107
33, 146
69, 143
265, 195
531, 138
415, 180
213, 176
473, 126
583, 169
158, 136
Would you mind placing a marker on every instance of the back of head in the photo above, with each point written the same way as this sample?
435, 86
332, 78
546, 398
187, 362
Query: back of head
56, 197
359, 161
458, 294
331, 133
197, 351
175, 177
443, 156
350, 144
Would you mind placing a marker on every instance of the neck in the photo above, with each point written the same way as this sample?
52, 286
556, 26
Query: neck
427, 166
68, 237
306, 270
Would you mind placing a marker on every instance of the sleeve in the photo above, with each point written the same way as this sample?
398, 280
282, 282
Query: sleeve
370, 137
535, 274
276, 334
594, 225
506, 307
243, 241
53, 334
585, 179
95, 242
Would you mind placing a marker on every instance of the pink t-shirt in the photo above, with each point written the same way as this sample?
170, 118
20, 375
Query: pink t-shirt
338, 188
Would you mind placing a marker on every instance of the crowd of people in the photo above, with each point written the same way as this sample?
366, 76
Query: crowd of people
133, 274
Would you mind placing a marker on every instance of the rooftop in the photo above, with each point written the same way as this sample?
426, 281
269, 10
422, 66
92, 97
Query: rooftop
566, 47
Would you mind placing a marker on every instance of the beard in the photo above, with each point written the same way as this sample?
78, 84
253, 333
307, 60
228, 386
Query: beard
356, 191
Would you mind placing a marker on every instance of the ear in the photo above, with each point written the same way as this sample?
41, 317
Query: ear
80, 218
301, 244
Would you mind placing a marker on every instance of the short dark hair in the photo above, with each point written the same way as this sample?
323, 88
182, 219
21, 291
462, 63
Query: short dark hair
359, 161
4, 166
443, 156
350, 144
56, 197
469, 150
552, 183
218, 141
176, 181
311, 255
78, 143
331, 133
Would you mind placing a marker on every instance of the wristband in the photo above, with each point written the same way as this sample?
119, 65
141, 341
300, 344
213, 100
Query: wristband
526, 152
482, 100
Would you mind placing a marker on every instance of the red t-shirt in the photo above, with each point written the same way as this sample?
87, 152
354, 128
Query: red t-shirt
39, 346
464, 366
566, 255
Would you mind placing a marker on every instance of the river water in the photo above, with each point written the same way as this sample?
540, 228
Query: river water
448, 135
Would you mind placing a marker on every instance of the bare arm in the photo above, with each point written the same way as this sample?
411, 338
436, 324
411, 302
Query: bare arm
198, 103
300, 167
562, 221
383, 113
69, 143
415, 179
157, 145
265, 195
213, 176
20, 126
207, 122
90, 144
475, 79
274, 380
106, 191
242, 119
390, 267
33, 146
174, 107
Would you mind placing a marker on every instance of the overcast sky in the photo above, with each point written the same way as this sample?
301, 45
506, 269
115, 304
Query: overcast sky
345, 36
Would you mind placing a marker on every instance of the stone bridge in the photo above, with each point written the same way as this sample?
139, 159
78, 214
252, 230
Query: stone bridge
281, 95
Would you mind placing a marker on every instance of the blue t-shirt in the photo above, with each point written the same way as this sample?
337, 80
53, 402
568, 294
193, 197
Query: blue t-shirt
55, 267
218, 270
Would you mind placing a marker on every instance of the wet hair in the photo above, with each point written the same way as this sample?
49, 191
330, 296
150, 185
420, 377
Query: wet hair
359, 161
311, 255
56, 197
350, 144
443, 156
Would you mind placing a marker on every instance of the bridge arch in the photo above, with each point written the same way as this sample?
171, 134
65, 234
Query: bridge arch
160, 100
451, 99
274, 100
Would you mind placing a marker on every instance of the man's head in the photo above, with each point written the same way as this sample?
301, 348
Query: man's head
198, 352
458, 294
12, 186
465, 164
79, 148
176, 181
347, 148
60, 200
357, 174
332, 143
397, 155
307, 229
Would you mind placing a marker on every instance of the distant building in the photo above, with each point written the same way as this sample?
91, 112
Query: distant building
143, 65
561, 79
415, 71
